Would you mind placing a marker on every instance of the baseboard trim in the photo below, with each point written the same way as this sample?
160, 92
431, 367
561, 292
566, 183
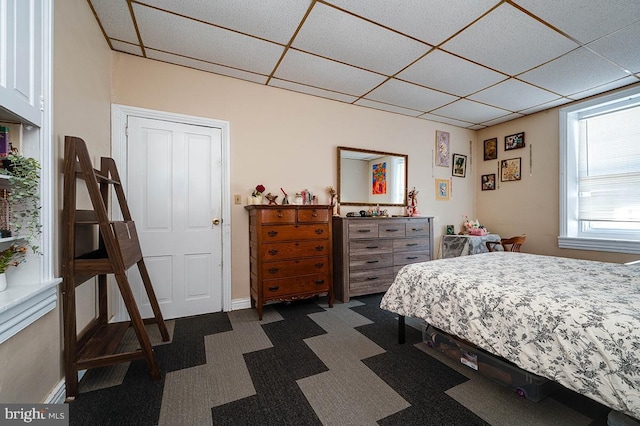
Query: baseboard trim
237, 304
59, 393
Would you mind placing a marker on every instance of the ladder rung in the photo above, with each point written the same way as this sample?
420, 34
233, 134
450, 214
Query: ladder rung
86, 217
98, 174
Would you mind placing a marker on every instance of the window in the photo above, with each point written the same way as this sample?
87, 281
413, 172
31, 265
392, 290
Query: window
600, 174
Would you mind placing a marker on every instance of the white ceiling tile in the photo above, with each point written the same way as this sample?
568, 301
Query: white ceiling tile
434, 71
408, 95
431, 21
274, 20
509, 41
513, 95
470, 111
322, 73
446, 120
301, 88
369, 46
120, 46
477, 127
605, 87
205, 66
621, 47
574, 72
548, 105
502, 119
387, 107
116, 19
585, 20
205, 42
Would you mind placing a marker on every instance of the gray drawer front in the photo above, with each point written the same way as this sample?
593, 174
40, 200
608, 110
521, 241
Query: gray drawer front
373, 278
363, 230
358, 247
391, 230
411, 244
410, 257
417, 229
367, 262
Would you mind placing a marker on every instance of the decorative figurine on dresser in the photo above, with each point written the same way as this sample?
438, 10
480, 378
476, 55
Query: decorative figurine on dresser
369, 251
290, 249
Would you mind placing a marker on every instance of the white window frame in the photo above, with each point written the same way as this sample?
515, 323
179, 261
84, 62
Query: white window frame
570, 236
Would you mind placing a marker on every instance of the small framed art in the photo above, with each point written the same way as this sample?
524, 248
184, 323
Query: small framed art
442, 189
459, 167
510, 169
489, 182
442, 148
514, 141
491, 149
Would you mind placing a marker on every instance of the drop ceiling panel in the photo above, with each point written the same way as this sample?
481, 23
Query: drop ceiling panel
606, 87
205, 42
387, 107
621, 47
313, 71
434, 71
431, 21
509, 41
301, 88
408, 95
369, 46
205, 66
470, 111
274, 20
116, 19
446, 120
575, 72
513, 95
548, 105
585, 20
120, 46
502, 119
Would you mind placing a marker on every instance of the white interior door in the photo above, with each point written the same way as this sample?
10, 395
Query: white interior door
174, 193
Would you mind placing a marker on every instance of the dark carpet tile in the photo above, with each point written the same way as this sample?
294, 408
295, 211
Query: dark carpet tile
278, 399
582, 404
187, 348
136, 402
299, 308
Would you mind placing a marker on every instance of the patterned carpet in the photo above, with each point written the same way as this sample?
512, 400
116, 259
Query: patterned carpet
307, 364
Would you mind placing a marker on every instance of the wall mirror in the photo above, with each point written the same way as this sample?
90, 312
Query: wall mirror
369, 178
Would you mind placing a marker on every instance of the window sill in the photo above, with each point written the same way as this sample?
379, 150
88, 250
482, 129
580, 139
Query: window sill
599, 244
22, 305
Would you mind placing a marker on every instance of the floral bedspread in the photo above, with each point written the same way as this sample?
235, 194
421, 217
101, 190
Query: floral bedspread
576, 322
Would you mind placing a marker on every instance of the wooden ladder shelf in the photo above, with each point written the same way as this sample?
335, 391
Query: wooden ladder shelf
117, 250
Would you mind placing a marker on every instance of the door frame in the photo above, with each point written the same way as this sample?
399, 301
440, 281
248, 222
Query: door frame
119, 118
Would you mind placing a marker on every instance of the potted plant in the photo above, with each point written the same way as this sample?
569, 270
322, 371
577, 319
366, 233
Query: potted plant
12, 256
24, 198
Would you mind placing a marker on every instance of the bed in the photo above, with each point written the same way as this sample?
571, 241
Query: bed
576, 322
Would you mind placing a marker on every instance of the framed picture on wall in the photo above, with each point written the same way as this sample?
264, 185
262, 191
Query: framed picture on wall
491, 149
442, 148
442, 189
489, 182
510, 169
459, 167
514, 141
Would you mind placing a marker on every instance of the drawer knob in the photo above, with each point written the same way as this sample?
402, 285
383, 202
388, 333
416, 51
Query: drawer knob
392, 230
272, 233
319, 231
319, 282
274, 288
364, 230
412, 257
319, 248
280, 213
273, 270
372, 247
273, 252
417, 229
372, 278
319, 265
411, 244
372, 261
314, 213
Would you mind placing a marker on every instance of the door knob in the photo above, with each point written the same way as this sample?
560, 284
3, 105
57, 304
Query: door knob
216, 221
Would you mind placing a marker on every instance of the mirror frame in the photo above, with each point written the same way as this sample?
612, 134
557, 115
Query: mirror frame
369, 151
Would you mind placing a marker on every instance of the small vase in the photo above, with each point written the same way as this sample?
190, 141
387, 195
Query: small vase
256, 199
3, 281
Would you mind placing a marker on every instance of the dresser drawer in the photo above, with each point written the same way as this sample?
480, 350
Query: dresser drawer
290, 268
371, 281
313, 215
358, 247
417, 229
369, 261
410, 244
277, 216
308, 284
294, 250
410, 257
363, 230
391, 230
294, 232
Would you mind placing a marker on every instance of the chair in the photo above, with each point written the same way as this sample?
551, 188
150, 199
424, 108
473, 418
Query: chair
508, 244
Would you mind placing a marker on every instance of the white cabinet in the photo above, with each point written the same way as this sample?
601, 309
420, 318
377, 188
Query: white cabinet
21, 58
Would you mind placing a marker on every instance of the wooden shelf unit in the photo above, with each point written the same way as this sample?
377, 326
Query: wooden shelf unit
118, 249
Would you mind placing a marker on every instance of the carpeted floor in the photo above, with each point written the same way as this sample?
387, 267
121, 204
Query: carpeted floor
307, 364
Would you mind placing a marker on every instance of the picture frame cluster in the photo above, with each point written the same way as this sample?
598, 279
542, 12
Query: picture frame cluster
509, 169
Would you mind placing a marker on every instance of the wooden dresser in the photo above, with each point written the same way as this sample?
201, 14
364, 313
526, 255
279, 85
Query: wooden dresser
290, 249
369, 252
